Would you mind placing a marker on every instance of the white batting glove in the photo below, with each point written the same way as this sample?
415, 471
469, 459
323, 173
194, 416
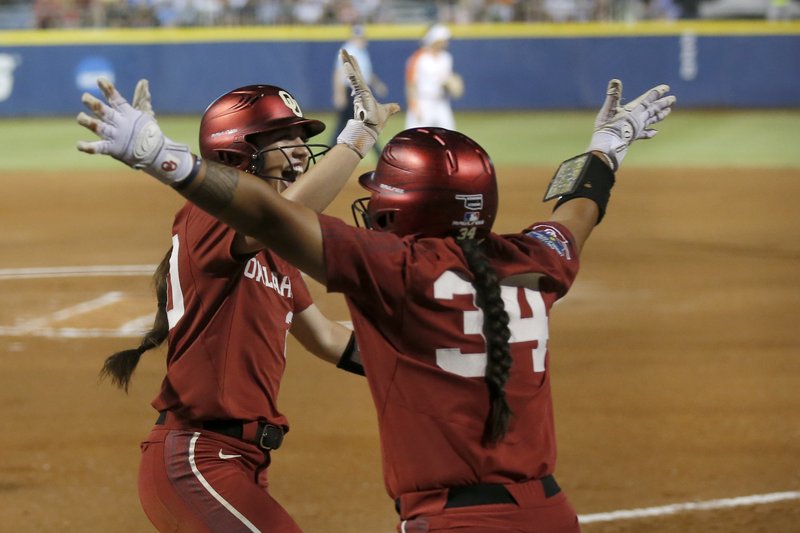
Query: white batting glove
615, 127
363, 129
132, 136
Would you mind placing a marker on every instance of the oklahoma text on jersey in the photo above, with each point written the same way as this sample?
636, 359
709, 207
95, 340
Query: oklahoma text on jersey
255, 270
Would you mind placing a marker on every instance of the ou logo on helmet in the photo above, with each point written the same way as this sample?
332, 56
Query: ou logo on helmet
291, 103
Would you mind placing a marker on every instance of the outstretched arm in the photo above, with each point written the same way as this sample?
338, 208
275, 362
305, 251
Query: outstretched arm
252, 207
583, 183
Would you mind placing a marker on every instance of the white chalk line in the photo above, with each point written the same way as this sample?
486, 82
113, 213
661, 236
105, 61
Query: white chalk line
43, 326
88, 306
676, 508
72, 333
77, 271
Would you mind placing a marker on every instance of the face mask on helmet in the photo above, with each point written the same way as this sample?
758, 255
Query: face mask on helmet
430, 182
230, 122
289, 170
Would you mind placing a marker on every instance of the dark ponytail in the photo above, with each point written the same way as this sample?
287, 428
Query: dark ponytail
497, 334
119, 367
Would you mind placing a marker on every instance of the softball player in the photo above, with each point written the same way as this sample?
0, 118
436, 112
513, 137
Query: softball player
428, 74
452, 319
226, 304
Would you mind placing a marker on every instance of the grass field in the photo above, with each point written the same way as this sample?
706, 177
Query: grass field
690, 138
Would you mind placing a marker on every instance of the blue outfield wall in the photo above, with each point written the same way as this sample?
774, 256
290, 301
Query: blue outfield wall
505, 67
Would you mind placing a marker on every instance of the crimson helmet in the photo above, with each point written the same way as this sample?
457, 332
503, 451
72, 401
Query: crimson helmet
232, 118
433, 182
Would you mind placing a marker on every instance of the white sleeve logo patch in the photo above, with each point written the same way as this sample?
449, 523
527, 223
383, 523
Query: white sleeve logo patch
552, 238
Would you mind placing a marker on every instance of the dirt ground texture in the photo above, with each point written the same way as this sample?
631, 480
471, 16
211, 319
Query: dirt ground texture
675, 358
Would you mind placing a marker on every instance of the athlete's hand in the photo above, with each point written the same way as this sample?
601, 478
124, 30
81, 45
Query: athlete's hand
616, 127
367, 109
370, 116
133, 136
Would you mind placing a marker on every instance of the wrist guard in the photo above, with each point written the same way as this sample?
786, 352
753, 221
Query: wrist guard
358, 137
185, 182
350, 361
583, 176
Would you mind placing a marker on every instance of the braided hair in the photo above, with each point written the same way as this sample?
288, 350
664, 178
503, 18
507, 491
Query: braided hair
119, 367
497, 334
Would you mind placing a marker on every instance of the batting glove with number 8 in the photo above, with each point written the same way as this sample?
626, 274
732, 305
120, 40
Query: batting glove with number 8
132, 135
616, 127
370, 117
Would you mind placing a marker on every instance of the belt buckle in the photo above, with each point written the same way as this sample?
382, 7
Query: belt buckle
271, 437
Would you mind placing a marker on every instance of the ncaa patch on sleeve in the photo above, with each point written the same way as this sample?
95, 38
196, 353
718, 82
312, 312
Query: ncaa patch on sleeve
552, 238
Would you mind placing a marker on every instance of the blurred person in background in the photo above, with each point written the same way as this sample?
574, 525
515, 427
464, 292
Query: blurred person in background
431, 83
357, 47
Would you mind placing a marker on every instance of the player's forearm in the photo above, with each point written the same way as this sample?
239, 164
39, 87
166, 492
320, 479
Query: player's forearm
584, 187
319, 335
251, 207
319, 186
579, 216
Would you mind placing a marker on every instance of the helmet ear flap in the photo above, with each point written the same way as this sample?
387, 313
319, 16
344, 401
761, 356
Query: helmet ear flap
384, 220
230, 159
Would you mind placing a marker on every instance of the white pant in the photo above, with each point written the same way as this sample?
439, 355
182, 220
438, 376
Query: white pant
436, 112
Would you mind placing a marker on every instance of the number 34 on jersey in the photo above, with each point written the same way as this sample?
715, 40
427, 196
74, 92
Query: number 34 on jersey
527, 329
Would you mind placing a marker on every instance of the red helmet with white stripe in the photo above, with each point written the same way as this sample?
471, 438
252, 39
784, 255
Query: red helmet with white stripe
432, 182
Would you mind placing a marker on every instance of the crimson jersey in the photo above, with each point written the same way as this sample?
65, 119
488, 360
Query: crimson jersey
420, 336
229, 318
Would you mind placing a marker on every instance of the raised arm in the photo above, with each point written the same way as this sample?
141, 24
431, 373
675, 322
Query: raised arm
583, 183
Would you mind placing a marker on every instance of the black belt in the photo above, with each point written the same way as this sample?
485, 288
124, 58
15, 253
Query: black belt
265, 436
486, 494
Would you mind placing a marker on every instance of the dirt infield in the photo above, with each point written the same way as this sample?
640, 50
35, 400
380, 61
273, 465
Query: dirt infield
675, 358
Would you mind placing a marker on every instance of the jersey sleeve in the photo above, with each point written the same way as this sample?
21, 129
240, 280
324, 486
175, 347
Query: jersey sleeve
552, 247
210, 242
300, 293
368, 266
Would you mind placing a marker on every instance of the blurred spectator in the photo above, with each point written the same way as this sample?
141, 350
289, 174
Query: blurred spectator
778, 10
170, 13
662, 10
500, 10
309, 11
269, 12
689, 8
